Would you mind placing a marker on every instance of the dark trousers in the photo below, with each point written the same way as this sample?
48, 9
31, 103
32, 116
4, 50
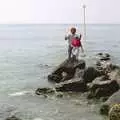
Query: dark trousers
69, 51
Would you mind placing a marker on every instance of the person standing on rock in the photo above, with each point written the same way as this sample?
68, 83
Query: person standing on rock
73, 42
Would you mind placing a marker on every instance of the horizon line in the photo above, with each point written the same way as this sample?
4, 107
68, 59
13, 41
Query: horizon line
59, 23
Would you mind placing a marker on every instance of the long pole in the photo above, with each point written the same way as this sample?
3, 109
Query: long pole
84, 10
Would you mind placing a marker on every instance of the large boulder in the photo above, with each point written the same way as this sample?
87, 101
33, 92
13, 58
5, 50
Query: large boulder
104, 62
66, 70
114, 99
73, 85
114, 112
90, 74
100, 88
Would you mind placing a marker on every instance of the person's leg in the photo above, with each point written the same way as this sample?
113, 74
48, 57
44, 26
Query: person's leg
78, 51
69, 51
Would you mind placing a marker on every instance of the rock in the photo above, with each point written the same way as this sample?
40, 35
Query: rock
115, 75
48, 91
114, 99
59, 94
97, 80
98, 63
100, 54
114, 113
68, 67
104, 56
72, 85
115, 67
101, 78
79, 73
42, 91
104, 66
90, 74
104, 109
56, 78
101, 88
105, 62
12, 118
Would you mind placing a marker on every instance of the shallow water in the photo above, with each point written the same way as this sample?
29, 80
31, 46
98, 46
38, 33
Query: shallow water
28, 53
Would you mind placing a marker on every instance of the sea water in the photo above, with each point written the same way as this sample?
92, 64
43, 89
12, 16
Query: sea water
28, 53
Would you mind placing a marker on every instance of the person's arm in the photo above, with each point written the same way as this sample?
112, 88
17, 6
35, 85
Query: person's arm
80, 36
66, 37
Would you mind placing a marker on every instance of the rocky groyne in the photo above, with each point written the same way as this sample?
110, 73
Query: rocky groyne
99, 81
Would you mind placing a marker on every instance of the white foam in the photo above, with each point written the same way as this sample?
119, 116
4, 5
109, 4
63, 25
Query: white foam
20, 93
37, 119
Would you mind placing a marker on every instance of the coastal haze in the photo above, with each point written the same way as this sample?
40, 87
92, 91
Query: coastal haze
32, 44
59, 11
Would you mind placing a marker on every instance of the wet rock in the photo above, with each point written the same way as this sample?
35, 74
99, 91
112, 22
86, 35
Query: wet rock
97, 80
68, 67
72, 85
59, 94
114, 99
100, 54
115, 75
98, 63
43, 91
79, 73
12, 118
104, 66
104, 56
56, 78
101, 88
104, 109
90, 74
104, 63
114, 113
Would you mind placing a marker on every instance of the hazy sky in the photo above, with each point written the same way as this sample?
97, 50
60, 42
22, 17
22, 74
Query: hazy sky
59, 11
